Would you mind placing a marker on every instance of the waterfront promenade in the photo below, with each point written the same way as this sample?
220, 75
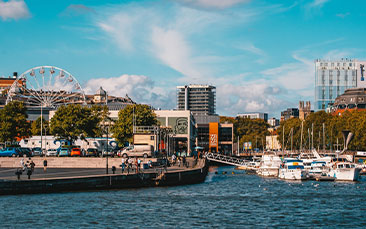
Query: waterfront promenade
87, 179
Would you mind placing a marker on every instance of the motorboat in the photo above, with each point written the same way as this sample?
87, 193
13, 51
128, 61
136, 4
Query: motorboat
345, 171
292, 169
252, 165
318, 168
269, 166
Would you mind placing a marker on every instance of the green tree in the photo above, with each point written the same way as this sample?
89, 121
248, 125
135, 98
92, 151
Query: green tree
355, 121
251, 130
36, 127
288, 129
99, 118
13, 122
143, 116
313, 128
75, 121
225, 119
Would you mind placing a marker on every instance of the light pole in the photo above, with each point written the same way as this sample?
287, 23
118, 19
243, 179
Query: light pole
107, 130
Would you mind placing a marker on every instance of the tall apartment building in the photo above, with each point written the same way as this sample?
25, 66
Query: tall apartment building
332, 78
199, 99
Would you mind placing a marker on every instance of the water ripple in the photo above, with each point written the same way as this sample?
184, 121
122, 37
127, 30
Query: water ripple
223, 201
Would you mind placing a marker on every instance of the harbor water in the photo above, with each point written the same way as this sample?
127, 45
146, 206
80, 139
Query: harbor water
224, 200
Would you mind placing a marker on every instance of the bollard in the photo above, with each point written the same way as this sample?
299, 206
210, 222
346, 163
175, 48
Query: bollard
113, 169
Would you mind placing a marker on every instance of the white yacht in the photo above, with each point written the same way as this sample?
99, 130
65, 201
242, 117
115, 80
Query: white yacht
345, 171
292, 169
318, 168
269, 166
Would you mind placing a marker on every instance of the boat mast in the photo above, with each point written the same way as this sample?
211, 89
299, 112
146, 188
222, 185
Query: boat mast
302, 127
283, 139
323, 137
312, 135
309, 139
292, 136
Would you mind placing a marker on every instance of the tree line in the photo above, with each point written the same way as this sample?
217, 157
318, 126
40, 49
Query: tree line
322, 130
74, 121
249, 130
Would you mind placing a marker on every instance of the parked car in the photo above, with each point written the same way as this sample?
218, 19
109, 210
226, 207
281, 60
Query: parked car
110, 153
137, 151
51, 152
37, 151
64, 152
76, 152
10, 152
25, 151
92, 152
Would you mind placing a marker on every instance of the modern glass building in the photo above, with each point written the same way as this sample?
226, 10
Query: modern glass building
332, 78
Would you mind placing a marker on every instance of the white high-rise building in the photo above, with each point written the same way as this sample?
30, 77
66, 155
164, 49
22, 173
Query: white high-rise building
199, 99
332, 78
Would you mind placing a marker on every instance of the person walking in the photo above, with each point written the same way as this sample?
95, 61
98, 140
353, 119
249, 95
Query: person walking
123, 165
179, 161
174, 158
139, 163
32, 165
22, 164
44, 165
129, 164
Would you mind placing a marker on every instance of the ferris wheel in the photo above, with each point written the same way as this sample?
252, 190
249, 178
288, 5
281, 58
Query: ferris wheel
46, 86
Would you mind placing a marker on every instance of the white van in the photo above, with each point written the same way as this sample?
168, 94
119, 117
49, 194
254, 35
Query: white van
137, 151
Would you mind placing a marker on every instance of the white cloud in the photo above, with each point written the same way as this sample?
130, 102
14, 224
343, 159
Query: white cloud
314, 7
317, 3
337, 54
212, 4
120, 28
172, 49
138, 87
294, 76
253, 49
13, 9
256, 96
343, 15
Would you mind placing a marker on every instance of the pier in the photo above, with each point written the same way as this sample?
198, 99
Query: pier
87, 179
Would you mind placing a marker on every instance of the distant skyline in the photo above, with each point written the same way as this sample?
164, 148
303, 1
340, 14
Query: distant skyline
259, 54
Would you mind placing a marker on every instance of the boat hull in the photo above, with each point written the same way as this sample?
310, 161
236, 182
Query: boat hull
268, 172
348, 174
292, 174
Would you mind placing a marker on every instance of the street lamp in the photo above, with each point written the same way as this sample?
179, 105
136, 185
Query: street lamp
107, 131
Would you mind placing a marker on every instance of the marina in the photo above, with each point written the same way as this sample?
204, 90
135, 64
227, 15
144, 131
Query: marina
292, 168
253, 201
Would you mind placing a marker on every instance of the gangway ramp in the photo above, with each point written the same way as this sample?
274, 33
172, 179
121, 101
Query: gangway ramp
226, 159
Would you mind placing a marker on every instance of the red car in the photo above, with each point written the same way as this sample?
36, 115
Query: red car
75, 152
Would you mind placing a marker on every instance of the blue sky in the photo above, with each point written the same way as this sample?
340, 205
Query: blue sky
259, 54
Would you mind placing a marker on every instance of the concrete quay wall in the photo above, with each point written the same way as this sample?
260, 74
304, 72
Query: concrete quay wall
66, 162
100, 182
